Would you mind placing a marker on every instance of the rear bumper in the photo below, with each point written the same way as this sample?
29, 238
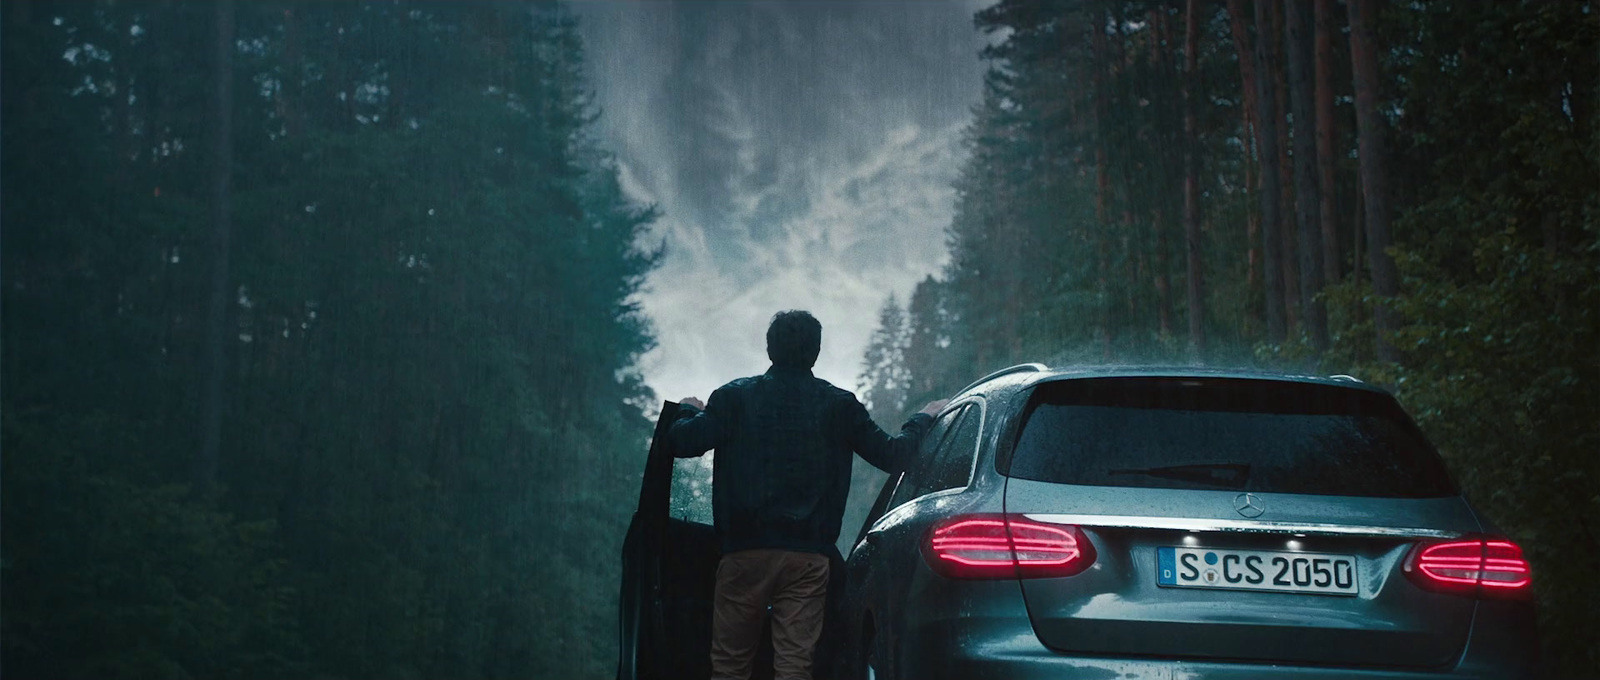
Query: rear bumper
1066, 668
1057, 667
969, 648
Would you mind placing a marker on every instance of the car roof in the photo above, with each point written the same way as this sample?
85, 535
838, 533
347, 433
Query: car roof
1032, 374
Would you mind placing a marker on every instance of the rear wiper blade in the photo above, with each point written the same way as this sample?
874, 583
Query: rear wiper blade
1234, 474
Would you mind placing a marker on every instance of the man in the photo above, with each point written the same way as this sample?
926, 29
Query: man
782, 471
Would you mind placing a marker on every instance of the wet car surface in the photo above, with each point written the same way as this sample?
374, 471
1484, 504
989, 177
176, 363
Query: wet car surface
1182, 524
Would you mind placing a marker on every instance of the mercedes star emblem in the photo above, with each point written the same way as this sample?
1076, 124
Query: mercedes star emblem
1249, 505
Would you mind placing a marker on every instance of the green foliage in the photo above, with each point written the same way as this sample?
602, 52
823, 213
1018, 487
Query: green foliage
884, 377
1500, 255
1066, 245
885, 385
1495, 109
433, 404
111, 578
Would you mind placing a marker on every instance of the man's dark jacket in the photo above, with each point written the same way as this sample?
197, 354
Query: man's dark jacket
782, 467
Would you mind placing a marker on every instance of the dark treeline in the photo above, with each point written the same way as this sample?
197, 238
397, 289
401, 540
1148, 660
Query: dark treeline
1408, 192
428, 403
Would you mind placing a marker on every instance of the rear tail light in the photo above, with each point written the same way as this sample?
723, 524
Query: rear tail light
1480, 567
1006, 546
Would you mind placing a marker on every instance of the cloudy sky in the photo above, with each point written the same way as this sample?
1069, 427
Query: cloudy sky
802, 155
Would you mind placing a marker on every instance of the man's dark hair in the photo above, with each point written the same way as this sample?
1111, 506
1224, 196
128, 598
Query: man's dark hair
794, 339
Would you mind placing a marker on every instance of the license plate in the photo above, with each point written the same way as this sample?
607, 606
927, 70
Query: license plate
1268, 570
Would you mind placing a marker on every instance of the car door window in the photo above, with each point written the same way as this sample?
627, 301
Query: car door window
880, 505
691, 489
918, 469
951, 466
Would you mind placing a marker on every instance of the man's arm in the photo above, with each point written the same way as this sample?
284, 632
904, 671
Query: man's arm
697, 429
878, 448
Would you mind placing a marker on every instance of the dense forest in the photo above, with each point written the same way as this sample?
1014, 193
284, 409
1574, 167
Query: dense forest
319, 345
319, 334
1405, 192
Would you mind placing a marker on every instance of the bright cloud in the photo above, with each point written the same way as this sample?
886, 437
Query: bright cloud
802, 155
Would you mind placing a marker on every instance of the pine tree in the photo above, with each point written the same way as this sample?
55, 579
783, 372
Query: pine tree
884, 375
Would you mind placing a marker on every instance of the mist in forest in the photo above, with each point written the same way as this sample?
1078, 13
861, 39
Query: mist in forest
332, 334
802, 155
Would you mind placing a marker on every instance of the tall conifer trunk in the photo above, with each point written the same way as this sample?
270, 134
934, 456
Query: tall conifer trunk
1288, 260
1191, 180
1332, 261
221, 236
1308, 208
1239, 28
1102, 183
1370, 141
1271, 194
290, 102
1161, 263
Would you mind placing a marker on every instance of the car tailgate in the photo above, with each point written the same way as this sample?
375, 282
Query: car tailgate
1119, 606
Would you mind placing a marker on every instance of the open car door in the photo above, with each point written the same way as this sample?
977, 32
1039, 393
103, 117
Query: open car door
646, 646
669, 571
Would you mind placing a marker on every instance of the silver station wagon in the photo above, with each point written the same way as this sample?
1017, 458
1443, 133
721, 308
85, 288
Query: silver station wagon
1181, 524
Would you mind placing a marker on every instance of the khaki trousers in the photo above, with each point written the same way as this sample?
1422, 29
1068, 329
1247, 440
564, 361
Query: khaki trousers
795, 584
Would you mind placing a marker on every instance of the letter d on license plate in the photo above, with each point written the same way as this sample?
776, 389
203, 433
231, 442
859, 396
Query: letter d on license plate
1266, 570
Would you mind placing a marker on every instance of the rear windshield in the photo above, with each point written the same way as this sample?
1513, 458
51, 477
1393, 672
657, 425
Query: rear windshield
1249, 435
